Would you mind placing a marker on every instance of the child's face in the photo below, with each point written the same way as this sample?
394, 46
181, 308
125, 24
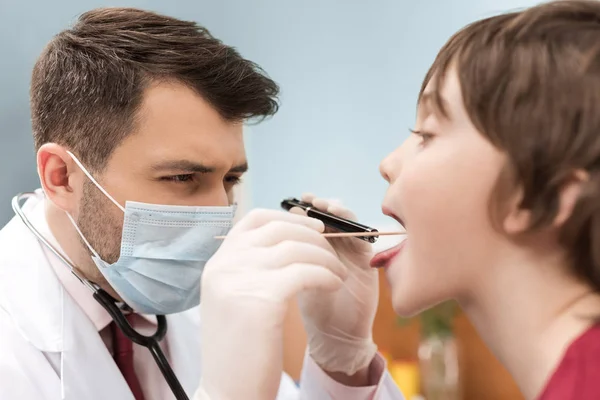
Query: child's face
440, 187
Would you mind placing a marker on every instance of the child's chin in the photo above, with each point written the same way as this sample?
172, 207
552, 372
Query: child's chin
406, 304
406, 307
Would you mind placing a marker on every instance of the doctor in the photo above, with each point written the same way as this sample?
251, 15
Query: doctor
137, 122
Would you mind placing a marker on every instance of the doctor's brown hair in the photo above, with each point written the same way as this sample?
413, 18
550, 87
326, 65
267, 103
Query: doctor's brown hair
530, 82
88, 83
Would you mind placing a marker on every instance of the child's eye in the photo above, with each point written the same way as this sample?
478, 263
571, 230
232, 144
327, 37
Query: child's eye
425, 136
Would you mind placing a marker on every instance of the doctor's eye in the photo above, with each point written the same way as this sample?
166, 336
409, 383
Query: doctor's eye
179, 178
233, 180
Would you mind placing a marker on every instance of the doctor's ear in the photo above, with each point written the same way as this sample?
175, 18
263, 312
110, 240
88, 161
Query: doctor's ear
60, 177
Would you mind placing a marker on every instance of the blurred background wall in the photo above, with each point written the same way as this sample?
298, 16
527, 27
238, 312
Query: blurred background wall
349, 72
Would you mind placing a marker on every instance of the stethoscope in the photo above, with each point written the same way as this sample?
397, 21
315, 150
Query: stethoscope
114, 308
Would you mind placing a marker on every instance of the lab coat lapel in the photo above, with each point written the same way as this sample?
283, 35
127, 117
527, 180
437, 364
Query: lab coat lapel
48, 318
183, 338
84, 350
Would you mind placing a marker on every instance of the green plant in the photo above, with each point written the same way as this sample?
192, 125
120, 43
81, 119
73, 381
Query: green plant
437, 320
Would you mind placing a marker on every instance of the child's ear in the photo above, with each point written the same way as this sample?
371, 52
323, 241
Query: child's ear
518, 220
568, 196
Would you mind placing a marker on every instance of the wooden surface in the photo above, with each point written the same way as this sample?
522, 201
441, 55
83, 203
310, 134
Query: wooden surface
294, 343
482, 376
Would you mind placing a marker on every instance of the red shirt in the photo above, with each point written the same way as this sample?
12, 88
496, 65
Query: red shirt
578, 374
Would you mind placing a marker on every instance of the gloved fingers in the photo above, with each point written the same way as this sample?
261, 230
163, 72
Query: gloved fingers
289, 253
335, 208
356, 244
317, 202
308, 197
341, 211
298, 277
259, 217
297, 211
275, 232
331, 206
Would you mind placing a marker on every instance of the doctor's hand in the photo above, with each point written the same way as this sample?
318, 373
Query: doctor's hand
268, 258
339, 323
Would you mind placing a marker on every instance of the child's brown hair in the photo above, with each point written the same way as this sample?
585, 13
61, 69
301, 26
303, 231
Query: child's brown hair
530, 82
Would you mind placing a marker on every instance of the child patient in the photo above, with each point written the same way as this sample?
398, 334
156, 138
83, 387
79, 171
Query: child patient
498, 188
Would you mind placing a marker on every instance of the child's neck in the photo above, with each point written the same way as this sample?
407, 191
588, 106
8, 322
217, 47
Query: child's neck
528, 313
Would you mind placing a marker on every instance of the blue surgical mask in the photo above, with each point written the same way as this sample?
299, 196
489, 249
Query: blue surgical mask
163, 252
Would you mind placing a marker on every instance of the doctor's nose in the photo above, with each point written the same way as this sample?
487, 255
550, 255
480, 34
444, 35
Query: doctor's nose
217, 196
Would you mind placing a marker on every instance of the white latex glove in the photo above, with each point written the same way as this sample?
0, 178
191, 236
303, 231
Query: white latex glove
339, 324
268, 258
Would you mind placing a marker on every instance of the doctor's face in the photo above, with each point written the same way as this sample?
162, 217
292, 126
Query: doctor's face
182, 153
440, 186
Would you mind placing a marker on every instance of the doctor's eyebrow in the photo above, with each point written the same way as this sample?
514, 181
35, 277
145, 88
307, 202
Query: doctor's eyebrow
240, 169
192, 166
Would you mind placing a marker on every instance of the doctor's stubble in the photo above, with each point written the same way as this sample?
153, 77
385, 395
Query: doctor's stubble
101, 222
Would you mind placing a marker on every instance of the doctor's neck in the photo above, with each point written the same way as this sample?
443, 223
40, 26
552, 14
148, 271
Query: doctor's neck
529, 309
73, 247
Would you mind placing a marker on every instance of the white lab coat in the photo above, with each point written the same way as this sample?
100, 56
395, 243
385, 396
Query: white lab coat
50, 350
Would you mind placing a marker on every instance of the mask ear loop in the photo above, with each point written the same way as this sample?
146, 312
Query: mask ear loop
91, 178
89, 246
